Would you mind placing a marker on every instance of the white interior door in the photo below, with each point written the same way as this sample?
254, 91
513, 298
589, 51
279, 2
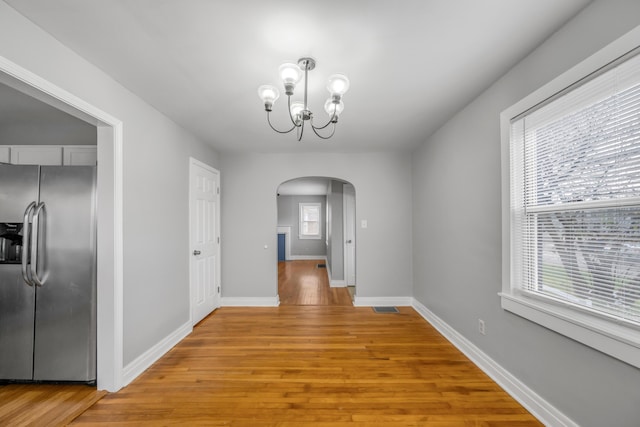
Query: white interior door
349, 194
205, 239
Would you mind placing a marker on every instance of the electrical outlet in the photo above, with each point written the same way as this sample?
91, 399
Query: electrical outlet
481, 327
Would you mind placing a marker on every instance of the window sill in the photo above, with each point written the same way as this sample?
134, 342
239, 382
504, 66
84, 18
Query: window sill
304, 237
616, 340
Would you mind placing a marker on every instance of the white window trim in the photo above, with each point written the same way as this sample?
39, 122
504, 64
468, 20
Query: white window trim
612, 338
309, 236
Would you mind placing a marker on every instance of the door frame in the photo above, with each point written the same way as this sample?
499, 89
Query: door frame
218, 294
346, 218
110, 325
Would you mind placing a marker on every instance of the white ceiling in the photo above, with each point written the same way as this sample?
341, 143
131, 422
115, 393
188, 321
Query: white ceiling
412, 63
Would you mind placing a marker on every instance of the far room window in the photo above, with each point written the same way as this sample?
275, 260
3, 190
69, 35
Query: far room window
310, 221
574, 209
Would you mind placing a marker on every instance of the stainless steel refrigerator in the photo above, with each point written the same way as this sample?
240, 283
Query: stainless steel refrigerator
47, 273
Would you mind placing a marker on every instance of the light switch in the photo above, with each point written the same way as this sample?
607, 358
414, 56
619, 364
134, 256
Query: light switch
363, 223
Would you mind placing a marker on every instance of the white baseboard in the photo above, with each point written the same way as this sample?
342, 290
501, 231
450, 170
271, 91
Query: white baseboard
307, 257
250, 302
338, 283
534, 403
328, 267
149, 357
382, 301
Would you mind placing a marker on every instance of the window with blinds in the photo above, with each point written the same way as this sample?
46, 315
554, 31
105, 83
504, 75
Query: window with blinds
575, 196
309, 227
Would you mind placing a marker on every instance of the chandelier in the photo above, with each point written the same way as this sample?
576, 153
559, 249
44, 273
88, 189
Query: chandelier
299, 112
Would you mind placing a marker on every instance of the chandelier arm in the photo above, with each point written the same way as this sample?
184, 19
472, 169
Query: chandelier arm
322, 127
324, 137
300, 131
279, 131
332, 119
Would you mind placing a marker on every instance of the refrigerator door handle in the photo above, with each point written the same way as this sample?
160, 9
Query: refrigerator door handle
28, 214
35, 242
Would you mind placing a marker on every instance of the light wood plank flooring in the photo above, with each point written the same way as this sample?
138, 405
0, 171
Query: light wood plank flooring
301, 282
44, 405
311, 366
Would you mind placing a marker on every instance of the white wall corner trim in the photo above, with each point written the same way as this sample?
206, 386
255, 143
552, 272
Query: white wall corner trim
250, 302
382, 301
149, 357
534, 403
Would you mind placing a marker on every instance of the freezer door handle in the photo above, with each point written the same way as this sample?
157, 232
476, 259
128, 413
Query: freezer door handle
35, 242
28, 214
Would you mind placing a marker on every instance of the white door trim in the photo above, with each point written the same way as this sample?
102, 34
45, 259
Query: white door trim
195, 162
110, 231
346, 217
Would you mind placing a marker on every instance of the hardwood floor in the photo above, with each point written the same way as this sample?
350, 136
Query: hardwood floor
301, 282
311, 366
44, 405
314, 361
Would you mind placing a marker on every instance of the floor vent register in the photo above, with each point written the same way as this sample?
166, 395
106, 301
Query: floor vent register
386, 309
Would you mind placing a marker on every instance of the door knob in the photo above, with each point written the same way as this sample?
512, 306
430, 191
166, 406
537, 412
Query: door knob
196, 252
349, 241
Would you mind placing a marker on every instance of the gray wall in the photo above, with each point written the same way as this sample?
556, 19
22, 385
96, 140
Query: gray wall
383, 197
288, 212
457, 236
156, 182
27, 121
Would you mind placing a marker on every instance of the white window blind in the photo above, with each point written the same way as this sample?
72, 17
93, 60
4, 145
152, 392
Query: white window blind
309, 221
575, 197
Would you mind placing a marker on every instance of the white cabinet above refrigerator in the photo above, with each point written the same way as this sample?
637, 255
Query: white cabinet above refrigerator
36, 155
49, 155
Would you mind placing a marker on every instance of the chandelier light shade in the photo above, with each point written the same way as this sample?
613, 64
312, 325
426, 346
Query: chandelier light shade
290, 75
332, 108
299, 112
268, 94
338, 84
297, 109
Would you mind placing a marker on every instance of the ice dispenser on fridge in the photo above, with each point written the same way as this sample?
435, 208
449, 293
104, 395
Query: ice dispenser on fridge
10, 242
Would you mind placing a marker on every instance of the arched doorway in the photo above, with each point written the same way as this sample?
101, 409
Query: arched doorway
316, 241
